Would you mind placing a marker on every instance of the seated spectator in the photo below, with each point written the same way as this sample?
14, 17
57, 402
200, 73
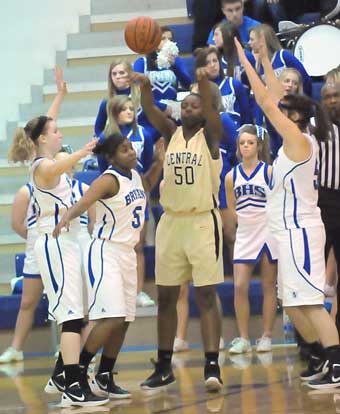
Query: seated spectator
224, 34
233, 12
234, 95
279, 57
164, 80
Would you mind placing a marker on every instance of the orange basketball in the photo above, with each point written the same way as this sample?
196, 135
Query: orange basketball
142, 34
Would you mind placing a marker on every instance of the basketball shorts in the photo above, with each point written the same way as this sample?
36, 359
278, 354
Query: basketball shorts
252, 241
59, 262
84, 240
189, 247
301, 266
31, 268
111, 280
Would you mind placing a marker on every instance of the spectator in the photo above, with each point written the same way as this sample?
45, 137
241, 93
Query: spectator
233, 12
274, 8
234, 95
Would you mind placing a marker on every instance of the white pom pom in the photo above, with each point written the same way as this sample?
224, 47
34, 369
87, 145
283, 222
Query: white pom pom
169, 49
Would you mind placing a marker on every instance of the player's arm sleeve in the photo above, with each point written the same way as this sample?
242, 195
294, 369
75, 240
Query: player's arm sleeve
101, 119
243, 99
139, 65
182, 73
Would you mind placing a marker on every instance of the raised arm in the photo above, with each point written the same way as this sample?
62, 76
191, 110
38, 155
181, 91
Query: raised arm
49, 170
154, 114
213, 125
104, 186
295, 144
274, 86
61, 93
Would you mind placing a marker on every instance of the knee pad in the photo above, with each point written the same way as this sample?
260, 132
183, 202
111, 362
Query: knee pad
74, 326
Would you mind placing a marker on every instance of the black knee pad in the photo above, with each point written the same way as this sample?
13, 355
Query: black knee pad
72, 326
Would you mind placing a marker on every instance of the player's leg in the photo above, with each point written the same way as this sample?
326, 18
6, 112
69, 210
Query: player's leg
242, 276
182, 307
268, 279
31, 296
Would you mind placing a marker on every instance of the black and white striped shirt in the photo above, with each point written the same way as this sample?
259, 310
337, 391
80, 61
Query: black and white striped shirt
329, 161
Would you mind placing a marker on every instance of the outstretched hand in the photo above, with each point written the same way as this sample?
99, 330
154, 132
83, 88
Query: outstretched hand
140, 78
59, 80
88, 147
201, 73
240, 51
64, 222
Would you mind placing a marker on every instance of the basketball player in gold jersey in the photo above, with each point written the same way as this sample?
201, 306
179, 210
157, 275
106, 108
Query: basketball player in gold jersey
189, 234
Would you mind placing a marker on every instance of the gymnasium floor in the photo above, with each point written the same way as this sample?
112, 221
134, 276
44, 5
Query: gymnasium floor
253, 384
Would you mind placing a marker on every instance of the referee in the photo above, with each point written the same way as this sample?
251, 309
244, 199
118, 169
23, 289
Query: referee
329, 181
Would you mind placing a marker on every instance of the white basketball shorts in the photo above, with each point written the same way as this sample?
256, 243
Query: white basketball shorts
111, 280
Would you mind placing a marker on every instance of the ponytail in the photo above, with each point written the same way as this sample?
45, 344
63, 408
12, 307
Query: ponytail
22, 147
108, 147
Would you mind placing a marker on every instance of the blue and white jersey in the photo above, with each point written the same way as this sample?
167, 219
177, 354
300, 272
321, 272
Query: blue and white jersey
120, 219
77, 193
235, 100
293, 192
31, 216
52, 203
251, 194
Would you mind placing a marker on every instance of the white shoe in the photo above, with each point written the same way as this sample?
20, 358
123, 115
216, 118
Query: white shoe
240, 346
264, 344
221, 344
180, 345
11, 355
144, 300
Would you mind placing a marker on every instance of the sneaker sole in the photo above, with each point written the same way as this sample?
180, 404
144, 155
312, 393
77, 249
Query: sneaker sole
101, 393
66, 403
212, 384
156, 389
317, 376
323, 386
11, 361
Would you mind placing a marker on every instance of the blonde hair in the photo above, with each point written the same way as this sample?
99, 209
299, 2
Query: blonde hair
114, 106
25, 139
333, 76
112, 90
298, 75
272, 42
262, 142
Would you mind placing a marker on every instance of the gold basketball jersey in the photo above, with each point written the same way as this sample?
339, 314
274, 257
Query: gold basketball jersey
191, 175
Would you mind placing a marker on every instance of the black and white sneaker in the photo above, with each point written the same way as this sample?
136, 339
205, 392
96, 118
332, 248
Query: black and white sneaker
212, 377
160, 378
103, 384
329, 380
75, 395
56, 384
316, 369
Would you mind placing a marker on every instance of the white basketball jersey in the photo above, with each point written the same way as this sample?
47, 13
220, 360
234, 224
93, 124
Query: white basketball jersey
52, 203
31, 216
251, 193
121, 218
77, 193
293, 192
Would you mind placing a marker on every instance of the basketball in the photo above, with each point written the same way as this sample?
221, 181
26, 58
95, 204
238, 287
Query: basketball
142, 34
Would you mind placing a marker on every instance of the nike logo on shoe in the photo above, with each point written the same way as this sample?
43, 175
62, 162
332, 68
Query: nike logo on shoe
165, 377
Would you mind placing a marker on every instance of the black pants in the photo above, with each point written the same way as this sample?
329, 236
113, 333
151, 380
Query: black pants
329, 203
206, 14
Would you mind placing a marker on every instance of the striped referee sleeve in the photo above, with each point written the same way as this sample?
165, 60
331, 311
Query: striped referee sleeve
329, 161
